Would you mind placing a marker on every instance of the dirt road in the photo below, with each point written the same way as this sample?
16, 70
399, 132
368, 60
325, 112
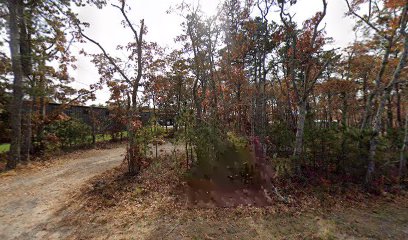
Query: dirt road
29, 199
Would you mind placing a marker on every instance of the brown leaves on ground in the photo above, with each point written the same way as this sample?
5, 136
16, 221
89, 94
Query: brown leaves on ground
155, 205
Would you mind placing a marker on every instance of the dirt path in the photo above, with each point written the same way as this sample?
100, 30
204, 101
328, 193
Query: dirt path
29, 199
39, 204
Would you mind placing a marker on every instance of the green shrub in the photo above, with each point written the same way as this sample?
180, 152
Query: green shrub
69, 133
281, 138
225, 158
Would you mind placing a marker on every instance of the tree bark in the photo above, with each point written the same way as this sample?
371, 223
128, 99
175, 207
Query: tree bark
26, 63
298, 149
16, 102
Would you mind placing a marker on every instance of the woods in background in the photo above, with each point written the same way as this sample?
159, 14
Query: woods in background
239, 81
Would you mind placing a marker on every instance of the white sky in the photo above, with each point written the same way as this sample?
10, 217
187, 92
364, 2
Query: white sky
106, 28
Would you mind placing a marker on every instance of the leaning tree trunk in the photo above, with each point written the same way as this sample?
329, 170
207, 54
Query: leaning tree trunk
371, 96
16, 102
298, 149
376, 126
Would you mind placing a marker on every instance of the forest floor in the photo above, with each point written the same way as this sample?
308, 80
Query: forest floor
86, 195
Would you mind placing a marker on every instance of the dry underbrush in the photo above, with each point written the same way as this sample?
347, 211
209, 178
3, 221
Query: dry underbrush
155, 205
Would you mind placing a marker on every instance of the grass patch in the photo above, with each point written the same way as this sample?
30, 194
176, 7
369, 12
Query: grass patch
108, 137
4, 147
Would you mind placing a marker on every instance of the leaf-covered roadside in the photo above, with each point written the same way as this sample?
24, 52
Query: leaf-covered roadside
155, 205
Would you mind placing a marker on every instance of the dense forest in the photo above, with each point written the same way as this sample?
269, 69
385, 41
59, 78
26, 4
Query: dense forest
259, 100
259, 106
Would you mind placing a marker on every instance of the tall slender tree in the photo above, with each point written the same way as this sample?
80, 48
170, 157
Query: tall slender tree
133, 81
306, 60
15, 16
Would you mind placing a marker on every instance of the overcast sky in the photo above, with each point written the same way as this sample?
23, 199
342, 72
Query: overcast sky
105, 27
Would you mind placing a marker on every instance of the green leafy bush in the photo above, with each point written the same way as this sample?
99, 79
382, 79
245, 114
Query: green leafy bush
225, 158
281, 138
69, 133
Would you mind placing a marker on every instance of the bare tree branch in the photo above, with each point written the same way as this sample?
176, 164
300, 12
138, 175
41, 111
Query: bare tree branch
366, 21
110, 59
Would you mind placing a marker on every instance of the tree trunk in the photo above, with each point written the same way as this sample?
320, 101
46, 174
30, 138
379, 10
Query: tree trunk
26, 63
298, 149
133, 151
134, 154
371, 97
16, 102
